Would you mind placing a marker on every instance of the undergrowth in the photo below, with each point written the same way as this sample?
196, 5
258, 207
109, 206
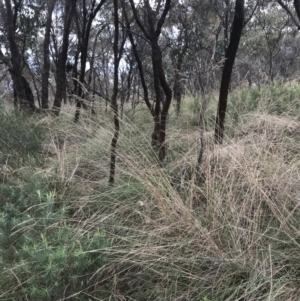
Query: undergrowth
160, 232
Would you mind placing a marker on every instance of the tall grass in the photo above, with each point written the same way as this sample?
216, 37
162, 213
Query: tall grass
160, 233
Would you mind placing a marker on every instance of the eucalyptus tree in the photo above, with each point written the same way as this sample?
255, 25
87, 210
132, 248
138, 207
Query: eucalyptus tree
46, 50
151, 27
231, 50
269, 45
22, 90
88, 15
137, 55
180, 35
273, 23
69, 10
114, 104
92, 75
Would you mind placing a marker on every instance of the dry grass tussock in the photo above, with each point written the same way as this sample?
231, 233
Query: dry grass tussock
234, 234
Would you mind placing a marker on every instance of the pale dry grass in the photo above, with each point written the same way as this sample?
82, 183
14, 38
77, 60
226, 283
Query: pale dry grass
232, 235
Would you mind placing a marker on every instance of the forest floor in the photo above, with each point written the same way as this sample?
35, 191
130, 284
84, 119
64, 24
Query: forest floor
158, 233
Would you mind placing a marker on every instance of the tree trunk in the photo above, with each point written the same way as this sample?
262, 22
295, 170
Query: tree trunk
177, 89
22, 88
62, 57
157, 108
114, 104
165, 109
46, 67
84, 50
152, 35
231, 51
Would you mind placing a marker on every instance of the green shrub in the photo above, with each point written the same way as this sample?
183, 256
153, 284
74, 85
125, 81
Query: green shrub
59, 262
38, 248
20, 137
278, 99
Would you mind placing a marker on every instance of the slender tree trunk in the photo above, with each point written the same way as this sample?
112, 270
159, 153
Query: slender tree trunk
177, 88
129, 82
226, 25
138, 61
84, 50
114, 104
155, 133
297, 8
160, 114
35, 86
152, 34
46, 67
231, 51
203, 87
165, 109
63, 55
21, 86
91, 73
75, 73
157, 107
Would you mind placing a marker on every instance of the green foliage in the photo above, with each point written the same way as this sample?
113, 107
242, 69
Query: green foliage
195, 105
20, 138
49, 257
243, 101
278, 99
284, 98
159, 233
58, 263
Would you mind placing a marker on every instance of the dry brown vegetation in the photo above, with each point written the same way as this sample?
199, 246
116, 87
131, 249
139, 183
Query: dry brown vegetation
233, 234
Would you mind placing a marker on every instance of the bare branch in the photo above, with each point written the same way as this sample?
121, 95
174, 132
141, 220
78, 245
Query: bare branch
138, 21
162, 18
286, 8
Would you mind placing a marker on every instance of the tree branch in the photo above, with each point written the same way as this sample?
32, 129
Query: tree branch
138, 21
297, 8
162, 18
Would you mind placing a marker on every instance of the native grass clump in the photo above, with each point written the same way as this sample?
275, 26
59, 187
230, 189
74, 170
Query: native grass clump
161, 232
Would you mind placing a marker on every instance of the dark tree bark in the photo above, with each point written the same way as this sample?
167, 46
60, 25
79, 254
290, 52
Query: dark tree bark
92, 60
177, 88
236, 32
114, 104
138, 60
126, 87
177, 91
85, 34
22, 88
297, 8
226, 24
152, 35
46, 66
179, 48
70, 6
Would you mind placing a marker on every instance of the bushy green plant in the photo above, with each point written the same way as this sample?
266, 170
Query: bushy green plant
278, 98
243, 101
49, 258
233, 234
283, 98
59, 262
20, 137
